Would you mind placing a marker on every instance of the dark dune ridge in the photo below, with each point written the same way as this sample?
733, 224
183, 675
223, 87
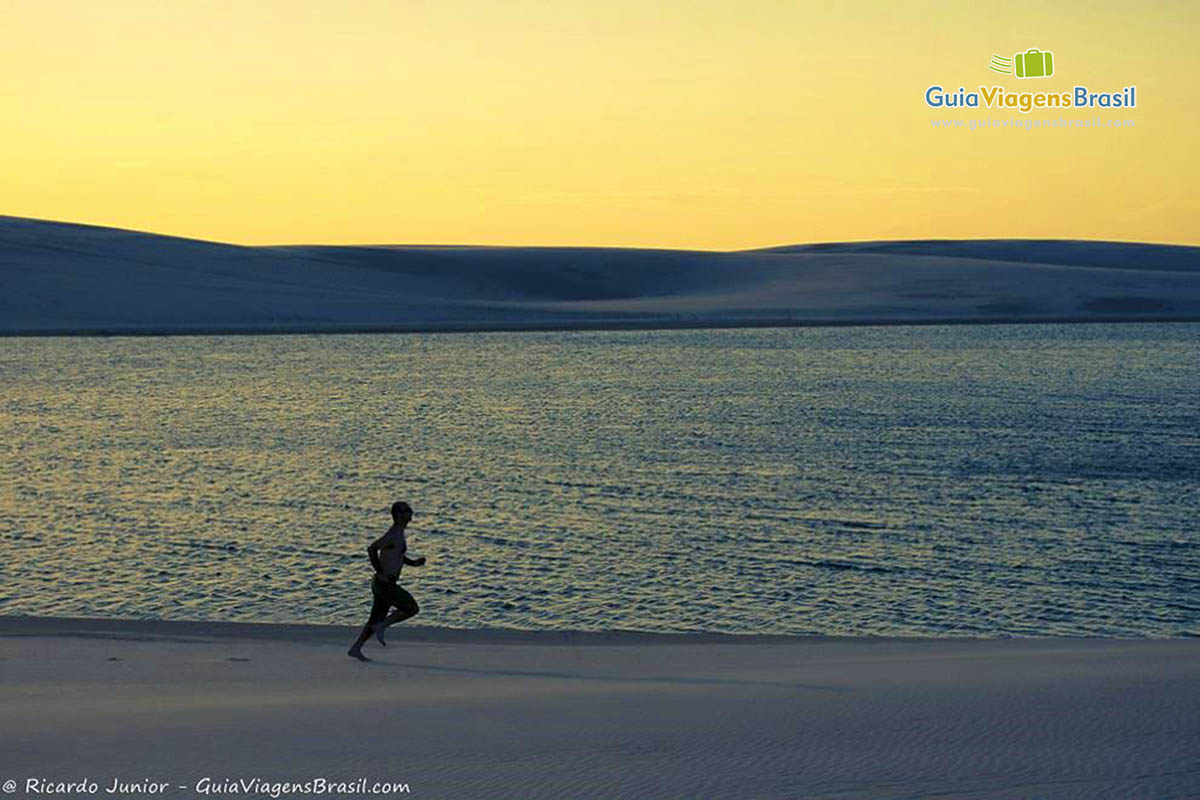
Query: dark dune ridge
1115, 255
61, 278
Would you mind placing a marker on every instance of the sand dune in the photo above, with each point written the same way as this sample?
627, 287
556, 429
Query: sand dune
64, 278
474, 714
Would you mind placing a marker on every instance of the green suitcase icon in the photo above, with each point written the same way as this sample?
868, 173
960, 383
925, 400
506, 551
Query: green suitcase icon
1034, 63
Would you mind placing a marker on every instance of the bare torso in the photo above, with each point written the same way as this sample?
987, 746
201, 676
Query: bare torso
392, 547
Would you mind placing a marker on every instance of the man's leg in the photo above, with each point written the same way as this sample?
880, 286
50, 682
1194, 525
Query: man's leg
406, 607
379, 609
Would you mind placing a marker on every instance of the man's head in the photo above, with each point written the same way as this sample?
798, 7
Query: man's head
401, 511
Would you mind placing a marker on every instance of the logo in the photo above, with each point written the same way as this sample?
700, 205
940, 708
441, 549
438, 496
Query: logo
1033, 63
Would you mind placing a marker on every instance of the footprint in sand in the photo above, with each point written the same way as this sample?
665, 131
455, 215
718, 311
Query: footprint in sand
234, 658
112, 658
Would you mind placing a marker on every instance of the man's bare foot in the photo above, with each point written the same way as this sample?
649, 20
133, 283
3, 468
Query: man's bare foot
379, 635
356, 653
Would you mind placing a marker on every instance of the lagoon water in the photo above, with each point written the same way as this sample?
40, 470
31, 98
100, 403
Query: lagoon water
937, 481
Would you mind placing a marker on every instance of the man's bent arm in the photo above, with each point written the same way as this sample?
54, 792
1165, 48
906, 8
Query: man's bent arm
414, 562
373, 554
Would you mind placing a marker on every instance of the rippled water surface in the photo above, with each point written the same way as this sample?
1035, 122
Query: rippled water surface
1022, 480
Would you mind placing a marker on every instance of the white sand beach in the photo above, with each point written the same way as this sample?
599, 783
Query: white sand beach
483, 714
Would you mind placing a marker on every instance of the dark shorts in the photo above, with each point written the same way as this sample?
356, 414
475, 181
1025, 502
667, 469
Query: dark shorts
388, 594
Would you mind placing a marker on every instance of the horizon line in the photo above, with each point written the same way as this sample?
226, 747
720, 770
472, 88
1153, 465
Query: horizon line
924, 239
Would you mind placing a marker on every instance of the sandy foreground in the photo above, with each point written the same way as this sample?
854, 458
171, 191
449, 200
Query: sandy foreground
489, 714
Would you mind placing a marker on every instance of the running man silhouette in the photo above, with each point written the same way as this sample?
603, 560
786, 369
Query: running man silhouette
388, 554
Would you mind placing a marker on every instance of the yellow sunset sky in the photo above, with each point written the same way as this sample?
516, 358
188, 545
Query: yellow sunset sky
692, 123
